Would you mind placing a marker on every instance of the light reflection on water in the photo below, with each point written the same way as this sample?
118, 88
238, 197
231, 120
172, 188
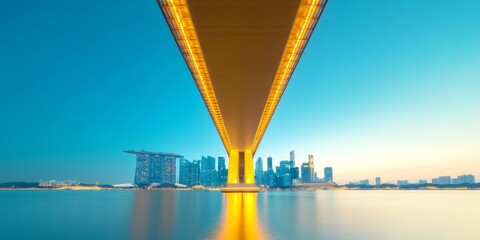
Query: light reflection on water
212, 215
240, 219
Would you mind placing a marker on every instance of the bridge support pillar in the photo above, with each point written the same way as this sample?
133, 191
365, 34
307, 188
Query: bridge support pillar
240, 172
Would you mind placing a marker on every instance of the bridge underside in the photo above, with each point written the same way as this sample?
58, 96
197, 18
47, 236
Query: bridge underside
241, 54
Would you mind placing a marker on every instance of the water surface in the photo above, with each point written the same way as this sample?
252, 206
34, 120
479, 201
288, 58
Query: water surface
129, 214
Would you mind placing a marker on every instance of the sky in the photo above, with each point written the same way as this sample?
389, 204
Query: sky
384, 88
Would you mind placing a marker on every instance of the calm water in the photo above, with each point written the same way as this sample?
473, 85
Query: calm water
213, 215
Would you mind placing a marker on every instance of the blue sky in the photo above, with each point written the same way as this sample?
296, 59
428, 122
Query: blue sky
384, 88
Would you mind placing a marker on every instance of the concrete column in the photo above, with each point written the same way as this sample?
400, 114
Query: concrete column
240, 172
233, 167
249, 177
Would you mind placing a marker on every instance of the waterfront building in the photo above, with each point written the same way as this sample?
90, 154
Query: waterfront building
292, 159
294, 173
328, 174
154, 167
286, 180
259, 172
455, 181
208, 174
185, 172
195, 173
222, 172
435, 181
269, 164
311, 165
402, 182
378, 181
364, 182
444, 180
221, 163
306, 173
466, 179
421, 181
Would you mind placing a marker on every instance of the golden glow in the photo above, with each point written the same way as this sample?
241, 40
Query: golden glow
180, 22
233, 167
240, 220
248, 175
305, 21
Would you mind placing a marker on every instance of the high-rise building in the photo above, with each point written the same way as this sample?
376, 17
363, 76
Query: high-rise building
259, 172
466, 179
286, 180
378, 181
292, 159
444, 180
195, 173
422, 181
435, 181
221, 163
185, 172
402, 182
208, 174
269, 163
306, 173
222, 172
364, 182
155, 167
284, 167
328, 174
311, 165
294, 173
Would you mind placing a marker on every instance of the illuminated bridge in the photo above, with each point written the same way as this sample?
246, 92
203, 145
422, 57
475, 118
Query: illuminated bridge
241, 54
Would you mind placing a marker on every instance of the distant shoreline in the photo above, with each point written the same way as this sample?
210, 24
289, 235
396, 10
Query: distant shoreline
263, 190
12, 186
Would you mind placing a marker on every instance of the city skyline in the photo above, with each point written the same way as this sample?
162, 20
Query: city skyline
382, 88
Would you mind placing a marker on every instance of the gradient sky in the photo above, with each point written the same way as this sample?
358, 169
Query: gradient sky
384, 88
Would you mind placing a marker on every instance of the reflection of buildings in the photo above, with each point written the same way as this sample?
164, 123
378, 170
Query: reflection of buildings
155, 167
240, 220
174, 214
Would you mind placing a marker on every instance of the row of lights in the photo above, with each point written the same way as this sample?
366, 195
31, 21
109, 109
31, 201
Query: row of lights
180, 21
305, 21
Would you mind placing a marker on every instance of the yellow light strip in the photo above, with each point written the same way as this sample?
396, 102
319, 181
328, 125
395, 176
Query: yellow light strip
178, 16
305, 21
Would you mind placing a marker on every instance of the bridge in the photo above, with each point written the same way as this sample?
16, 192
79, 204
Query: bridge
241, 54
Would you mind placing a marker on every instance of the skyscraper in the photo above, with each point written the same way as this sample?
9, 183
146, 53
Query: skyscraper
294, 174
155, 167
466, 179
311, 165
292, 159
378, 181
306, 171
208, 175
259, 172
445, 180
222, 172
269, 164
185, 172
328, 174
221, 163
195, 173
